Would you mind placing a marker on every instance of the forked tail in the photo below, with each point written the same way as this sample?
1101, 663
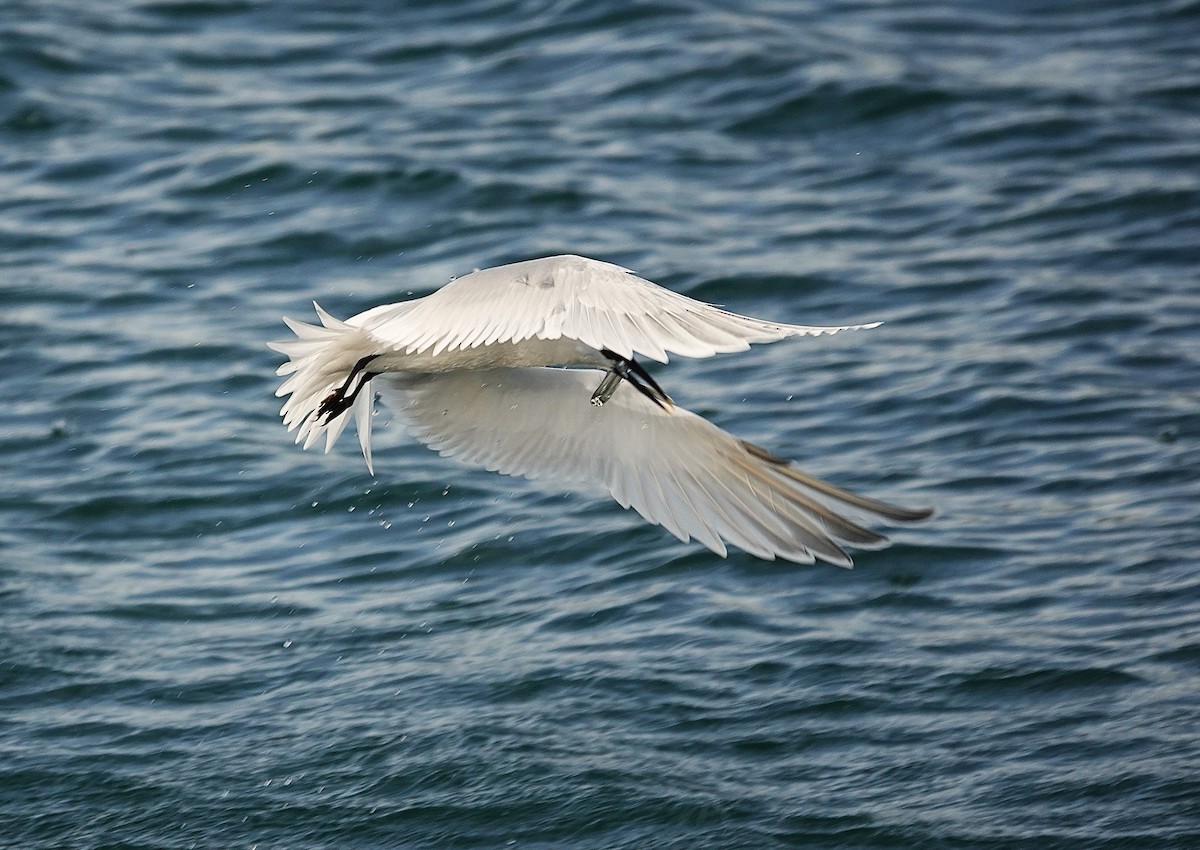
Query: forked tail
330, 379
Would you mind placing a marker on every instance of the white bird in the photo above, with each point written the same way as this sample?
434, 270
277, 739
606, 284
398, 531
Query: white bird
476, 368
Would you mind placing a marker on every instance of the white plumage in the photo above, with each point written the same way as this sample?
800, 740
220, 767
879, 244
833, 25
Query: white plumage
599, 304
475, 370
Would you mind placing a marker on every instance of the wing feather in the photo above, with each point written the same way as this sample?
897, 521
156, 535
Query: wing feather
599, 304
674, 468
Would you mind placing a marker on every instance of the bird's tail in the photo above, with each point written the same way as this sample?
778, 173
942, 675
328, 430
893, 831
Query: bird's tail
328, 381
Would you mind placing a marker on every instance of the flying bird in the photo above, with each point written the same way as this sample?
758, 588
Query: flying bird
532, 369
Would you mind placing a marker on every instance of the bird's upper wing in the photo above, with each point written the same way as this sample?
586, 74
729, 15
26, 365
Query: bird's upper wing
598, 304
673, 467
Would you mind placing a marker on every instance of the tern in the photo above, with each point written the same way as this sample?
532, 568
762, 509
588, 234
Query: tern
531, 369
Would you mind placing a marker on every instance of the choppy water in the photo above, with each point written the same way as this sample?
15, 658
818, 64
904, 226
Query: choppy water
211, 639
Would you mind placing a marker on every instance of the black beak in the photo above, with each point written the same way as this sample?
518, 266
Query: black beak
636, 374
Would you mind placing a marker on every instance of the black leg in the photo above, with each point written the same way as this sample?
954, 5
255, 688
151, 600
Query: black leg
340, 399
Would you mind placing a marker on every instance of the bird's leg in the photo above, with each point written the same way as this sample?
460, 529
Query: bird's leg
628, 369
606, 389
340, 399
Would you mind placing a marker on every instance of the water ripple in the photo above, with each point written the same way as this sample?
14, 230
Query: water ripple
209, 637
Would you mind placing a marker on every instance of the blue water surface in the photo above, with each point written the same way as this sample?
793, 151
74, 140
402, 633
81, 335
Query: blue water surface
209, 638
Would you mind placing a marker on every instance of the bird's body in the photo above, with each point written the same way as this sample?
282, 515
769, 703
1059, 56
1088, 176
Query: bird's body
476, 369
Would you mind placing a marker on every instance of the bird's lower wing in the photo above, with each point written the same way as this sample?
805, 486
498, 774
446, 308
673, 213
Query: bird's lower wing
599, 304
673, 467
